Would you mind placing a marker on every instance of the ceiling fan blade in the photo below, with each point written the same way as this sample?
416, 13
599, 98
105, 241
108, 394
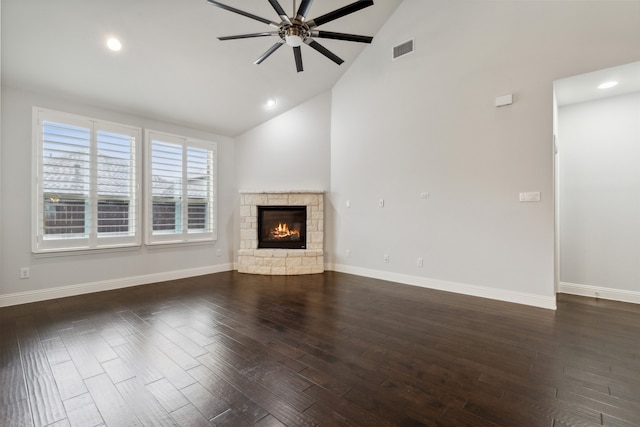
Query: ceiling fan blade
297, 53
303, 10
269, 52
339, 13
323, 50
247, 36
243, 13
341, 36
280, 11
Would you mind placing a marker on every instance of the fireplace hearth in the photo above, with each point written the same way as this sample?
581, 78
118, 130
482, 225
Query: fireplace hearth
282, 227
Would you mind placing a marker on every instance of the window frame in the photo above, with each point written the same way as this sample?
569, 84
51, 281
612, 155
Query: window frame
91, 238
185, 234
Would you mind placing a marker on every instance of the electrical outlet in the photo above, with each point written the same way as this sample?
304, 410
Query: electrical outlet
381, 203
386, 258
424, 195
347, 253
25, 273
219, 252
419, 262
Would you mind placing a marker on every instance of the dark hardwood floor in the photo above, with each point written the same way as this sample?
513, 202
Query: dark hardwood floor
334, 350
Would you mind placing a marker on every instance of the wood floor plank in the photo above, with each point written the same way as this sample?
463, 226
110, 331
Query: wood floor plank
17, 413
82, 411
254, 356
326, 380
179, 339
194, 335
143, 404
231, 418
56, 351
342, 409
88, 332
46, 404
206, 402
118, 370
12, 375
167, 395
68, 380
140, 362
237, 400
113, 408
81, 353
219, 359
61, 423
159, 361
189, 416
166, 346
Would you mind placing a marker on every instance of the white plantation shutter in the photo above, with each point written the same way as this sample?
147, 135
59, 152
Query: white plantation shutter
87, 183
181, 179
199, 190
166, 187
116, 184
66, 167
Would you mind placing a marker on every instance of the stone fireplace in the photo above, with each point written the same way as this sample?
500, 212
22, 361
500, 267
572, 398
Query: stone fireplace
281, 233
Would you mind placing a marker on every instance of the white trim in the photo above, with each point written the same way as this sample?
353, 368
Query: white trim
185, 235
107, 285
459, 288
599, 292
91, 238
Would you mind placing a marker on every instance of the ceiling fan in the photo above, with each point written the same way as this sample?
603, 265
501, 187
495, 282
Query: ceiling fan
296, 30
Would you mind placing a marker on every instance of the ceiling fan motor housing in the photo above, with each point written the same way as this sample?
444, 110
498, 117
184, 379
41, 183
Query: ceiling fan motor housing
295, 33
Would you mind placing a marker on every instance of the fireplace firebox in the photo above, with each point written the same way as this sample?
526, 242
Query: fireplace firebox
282, 227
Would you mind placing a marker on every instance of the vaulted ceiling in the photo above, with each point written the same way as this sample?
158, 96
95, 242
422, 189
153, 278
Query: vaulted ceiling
172, 67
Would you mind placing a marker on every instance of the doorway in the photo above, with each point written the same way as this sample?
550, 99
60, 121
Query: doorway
597, 181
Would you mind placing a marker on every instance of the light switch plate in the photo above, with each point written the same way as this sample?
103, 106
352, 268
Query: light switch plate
530, 196
503, 100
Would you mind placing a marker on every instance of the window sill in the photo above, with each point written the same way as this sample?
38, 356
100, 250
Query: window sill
53, 253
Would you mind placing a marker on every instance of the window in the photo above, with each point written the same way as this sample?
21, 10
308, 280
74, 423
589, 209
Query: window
181, 182
87, 183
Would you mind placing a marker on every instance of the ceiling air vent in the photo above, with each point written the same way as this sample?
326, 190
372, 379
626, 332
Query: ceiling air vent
403, 49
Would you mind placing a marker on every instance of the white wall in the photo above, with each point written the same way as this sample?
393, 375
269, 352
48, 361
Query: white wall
426, 123
600, 193
289, 152
96, 270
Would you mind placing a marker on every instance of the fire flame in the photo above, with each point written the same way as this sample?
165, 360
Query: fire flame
282, 231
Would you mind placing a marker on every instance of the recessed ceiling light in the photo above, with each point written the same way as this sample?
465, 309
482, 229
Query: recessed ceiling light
608, 85
271, 102
114, 44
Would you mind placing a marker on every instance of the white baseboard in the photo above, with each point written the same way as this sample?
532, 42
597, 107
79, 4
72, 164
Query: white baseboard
599, 292
107, 285
459, 288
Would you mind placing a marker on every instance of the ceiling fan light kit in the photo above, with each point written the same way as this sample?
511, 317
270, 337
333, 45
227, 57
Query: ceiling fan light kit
296, 30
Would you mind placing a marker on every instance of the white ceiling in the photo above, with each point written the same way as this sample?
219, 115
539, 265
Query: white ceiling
584, 87
172, 67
